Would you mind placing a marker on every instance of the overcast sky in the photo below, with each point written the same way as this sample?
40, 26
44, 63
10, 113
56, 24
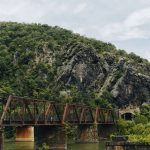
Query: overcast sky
125, 23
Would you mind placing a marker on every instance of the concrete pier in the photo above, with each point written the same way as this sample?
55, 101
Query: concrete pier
104, 131
25, 134
87, 134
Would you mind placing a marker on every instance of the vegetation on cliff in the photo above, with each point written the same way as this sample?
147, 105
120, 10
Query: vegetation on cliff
53, 63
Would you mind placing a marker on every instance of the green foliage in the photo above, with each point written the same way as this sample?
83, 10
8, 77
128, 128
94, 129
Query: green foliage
137, 130
140, 133
5, 89
140, 138
107, 95
124, 126
9, 132
136, 58
140, 119
145, 111
71, 132
44, 147
103, 103
105, 100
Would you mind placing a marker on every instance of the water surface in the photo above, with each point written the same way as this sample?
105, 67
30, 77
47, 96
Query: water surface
30, 146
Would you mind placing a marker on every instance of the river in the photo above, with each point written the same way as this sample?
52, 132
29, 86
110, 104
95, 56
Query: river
30, 146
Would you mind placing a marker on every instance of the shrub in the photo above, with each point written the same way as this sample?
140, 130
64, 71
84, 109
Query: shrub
44, 147
140, 119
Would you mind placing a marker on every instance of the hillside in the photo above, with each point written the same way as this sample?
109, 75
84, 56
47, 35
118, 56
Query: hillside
55, 64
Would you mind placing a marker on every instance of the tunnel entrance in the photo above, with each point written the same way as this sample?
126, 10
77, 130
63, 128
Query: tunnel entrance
127, 116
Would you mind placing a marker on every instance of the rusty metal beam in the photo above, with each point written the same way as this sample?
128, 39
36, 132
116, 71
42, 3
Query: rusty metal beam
81, 116
27, 111
65, 113
5, 109
96, 115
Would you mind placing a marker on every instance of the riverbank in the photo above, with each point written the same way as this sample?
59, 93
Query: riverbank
126, 146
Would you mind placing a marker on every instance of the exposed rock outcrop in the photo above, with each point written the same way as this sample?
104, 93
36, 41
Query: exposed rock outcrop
85, 69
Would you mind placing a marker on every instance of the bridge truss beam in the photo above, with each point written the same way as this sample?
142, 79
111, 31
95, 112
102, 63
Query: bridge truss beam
21, 111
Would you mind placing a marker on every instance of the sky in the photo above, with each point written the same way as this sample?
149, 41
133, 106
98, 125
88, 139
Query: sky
124, 23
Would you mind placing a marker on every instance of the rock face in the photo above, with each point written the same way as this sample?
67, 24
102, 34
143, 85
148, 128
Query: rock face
84, 68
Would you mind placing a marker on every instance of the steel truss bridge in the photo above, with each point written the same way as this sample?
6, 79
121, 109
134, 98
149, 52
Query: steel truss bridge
22, 111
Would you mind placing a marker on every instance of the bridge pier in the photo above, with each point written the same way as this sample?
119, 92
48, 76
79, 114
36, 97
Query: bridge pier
53, 136
105, 130
25, 134
87, 134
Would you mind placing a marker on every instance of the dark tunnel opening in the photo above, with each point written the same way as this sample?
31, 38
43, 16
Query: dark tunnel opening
127, 116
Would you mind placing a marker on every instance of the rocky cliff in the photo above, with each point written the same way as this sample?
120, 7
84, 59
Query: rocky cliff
83, 67
53, 63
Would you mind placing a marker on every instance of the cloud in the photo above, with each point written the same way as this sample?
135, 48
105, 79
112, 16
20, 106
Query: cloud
79, 8
36, 10
131, 28
138, 18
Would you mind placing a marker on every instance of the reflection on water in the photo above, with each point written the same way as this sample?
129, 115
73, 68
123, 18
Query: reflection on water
30, 146
19, 146
100, 146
